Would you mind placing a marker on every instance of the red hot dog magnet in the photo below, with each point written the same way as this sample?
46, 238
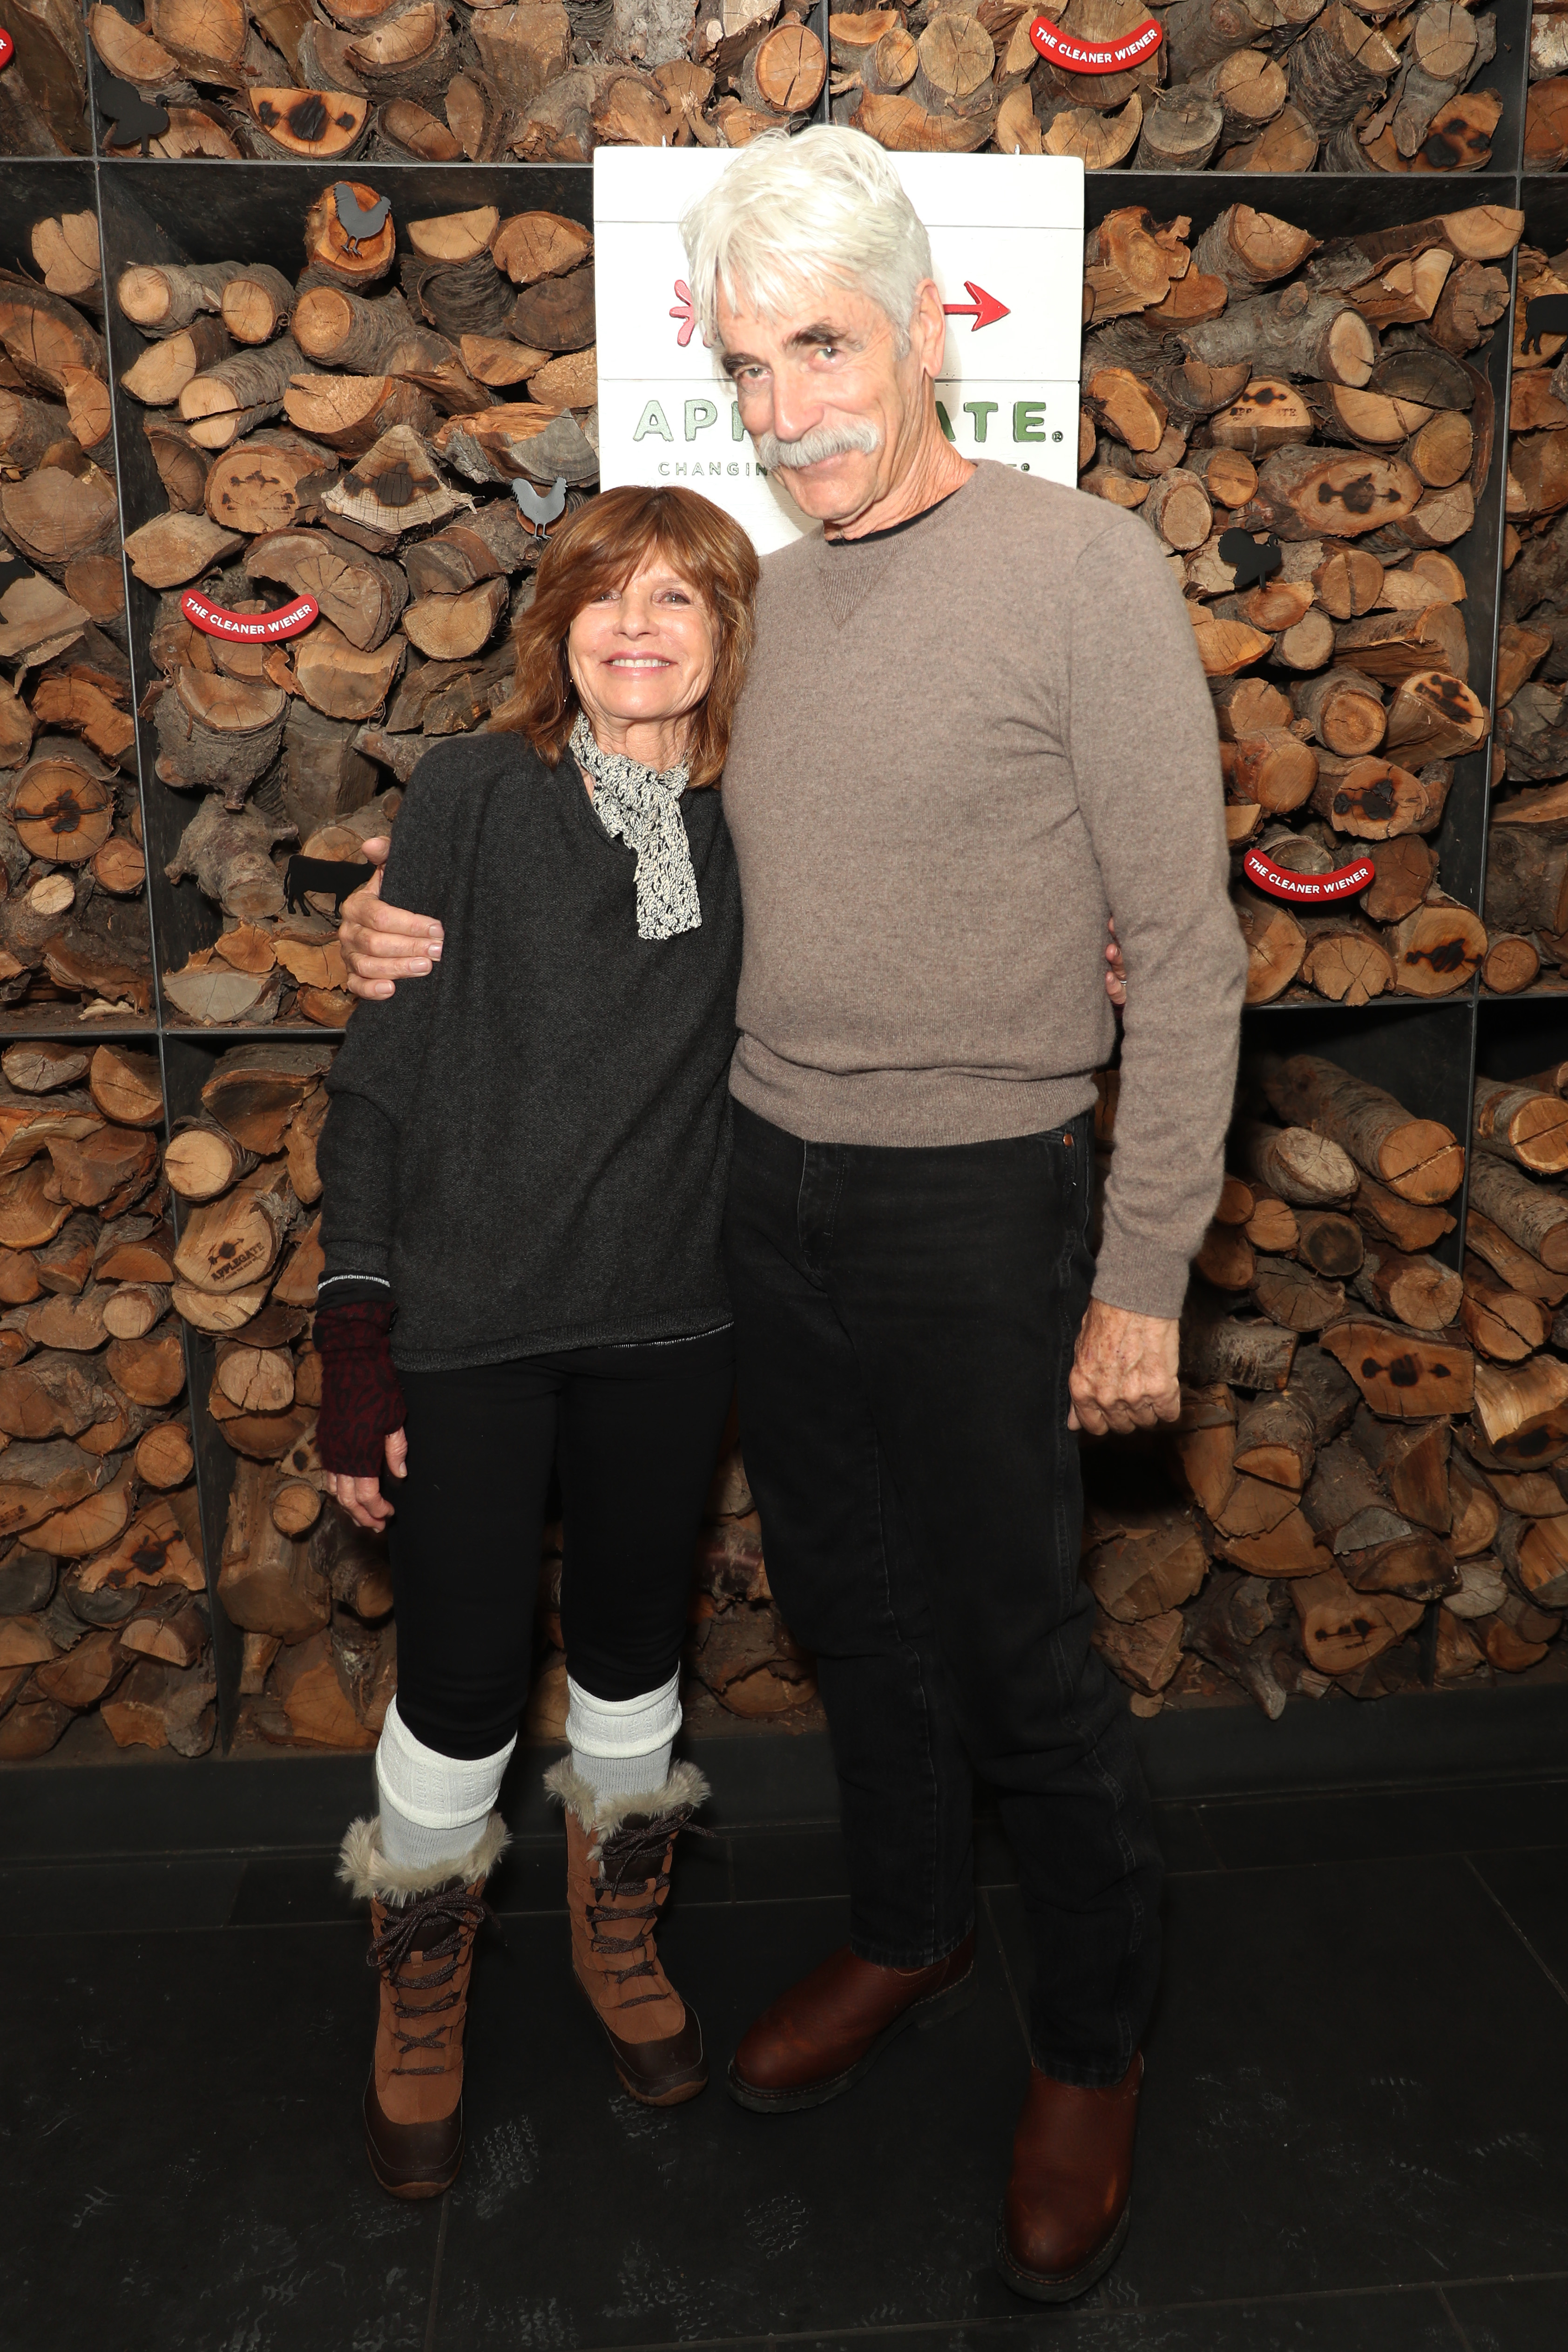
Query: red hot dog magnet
1307, 889
248, 628
1073, 56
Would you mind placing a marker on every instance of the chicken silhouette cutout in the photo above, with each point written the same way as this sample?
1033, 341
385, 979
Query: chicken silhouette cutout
1544, 314
355, 222
540, 507
133, 120
1252, 565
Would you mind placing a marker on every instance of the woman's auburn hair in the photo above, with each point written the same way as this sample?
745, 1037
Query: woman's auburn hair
606, 543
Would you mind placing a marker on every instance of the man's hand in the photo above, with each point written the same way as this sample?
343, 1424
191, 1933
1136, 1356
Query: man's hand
1115, 970
382, 945
361, 1498
1124, 1372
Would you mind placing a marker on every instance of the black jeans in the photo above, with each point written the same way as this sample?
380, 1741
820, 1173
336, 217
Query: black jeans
905, 1323
637, 1430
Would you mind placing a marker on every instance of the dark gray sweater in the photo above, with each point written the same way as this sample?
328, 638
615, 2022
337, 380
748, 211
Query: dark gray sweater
531, 1146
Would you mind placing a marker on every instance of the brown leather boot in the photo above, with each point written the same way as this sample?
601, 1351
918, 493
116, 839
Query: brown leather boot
1065, 2216
618, 1855
422, 1944
824, 2032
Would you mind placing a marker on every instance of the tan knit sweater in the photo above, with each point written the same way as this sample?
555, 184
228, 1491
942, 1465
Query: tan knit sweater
961, 746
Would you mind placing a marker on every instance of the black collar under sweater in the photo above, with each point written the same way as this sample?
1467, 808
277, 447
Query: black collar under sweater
850, 569
870, 538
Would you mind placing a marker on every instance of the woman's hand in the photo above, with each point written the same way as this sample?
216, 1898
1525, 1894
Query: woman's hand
361, 1498
382, 945
1116, 971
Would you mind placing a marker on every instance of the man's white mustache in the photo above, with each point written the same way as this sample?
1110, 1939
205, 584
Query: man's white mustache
823, 441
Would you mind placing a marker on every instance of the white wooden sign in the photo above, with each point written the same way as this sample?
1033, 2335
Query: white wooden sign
1007, 235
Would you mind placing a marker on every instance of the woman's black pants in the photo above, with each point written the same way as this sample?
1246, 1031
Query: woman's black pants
635, 1432
905, 1321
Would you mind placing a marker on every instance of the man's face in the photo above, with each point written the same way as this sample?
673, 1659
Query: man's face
823, 381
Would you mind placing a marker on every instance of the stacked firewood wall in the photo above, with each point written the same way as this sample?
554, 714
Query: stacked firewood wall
43, 88
1362, 1493
102, 1589
427, 81
741, 1650
1240, 85
1236, 85
311, 1602
1323, 400
1351, 1425
1516, 1283
1546, 107
1527, 863
399, 452
73, 920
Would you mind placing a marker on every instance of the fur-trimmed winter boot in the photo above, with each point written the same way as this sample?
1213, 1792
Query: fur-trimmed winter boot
421, 1946
618, 1854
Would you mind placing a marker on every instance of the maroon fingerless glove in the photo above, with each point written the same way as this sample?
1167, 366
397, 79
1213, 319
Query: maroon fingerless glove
361, 1401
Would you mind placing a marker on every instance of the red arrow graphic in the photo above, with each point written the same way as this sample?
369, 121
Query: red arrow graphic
984, 308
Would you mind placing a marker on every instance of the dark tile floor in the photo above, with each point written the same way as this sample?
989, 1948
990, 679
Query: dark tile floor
1355, 2131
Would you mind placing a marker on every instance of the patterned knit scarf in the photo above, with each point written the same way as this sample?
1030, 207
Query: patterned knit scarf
641, 807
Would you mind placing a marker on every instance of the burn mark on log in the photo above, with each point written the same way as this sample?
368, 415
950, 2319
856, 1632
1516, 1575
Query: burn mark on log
394, 488
1378, 800
1447, 956
1360, 494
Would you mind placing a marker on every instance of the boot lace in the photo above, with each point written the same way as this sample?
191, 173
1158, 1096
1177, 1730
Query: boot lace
461, 1910
635, 1860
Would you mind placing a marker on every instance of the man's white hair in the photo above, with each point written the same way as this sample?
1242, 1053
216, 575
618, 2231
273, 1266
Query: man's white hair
824, 205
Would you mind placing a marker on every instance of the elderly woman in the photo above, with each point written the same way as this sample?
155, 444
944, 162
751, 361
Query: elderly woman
524, 1165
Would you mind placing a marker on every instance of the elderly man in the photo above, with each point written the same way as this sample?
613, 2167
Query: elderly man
975, 723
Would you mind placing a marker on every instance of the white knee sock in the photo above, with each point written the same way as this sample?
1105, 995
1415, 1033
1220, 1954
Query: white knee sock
622, 1746
433, 1808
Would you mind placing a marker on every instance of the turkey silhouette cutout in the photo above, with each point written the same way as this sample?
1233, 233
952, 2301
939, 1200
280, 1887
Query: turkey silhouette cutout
133, 122
1251, 563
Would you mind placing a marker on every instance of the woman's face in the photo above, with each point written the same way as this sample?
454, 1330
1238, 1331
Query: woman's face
642, 654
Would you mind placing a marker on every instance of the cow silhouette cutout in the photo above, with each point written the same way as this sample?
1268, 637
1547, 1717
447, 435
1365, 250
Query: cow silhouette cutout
1252, 565
133, 120
331, 877
353, 220
1544, 314
539, 508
